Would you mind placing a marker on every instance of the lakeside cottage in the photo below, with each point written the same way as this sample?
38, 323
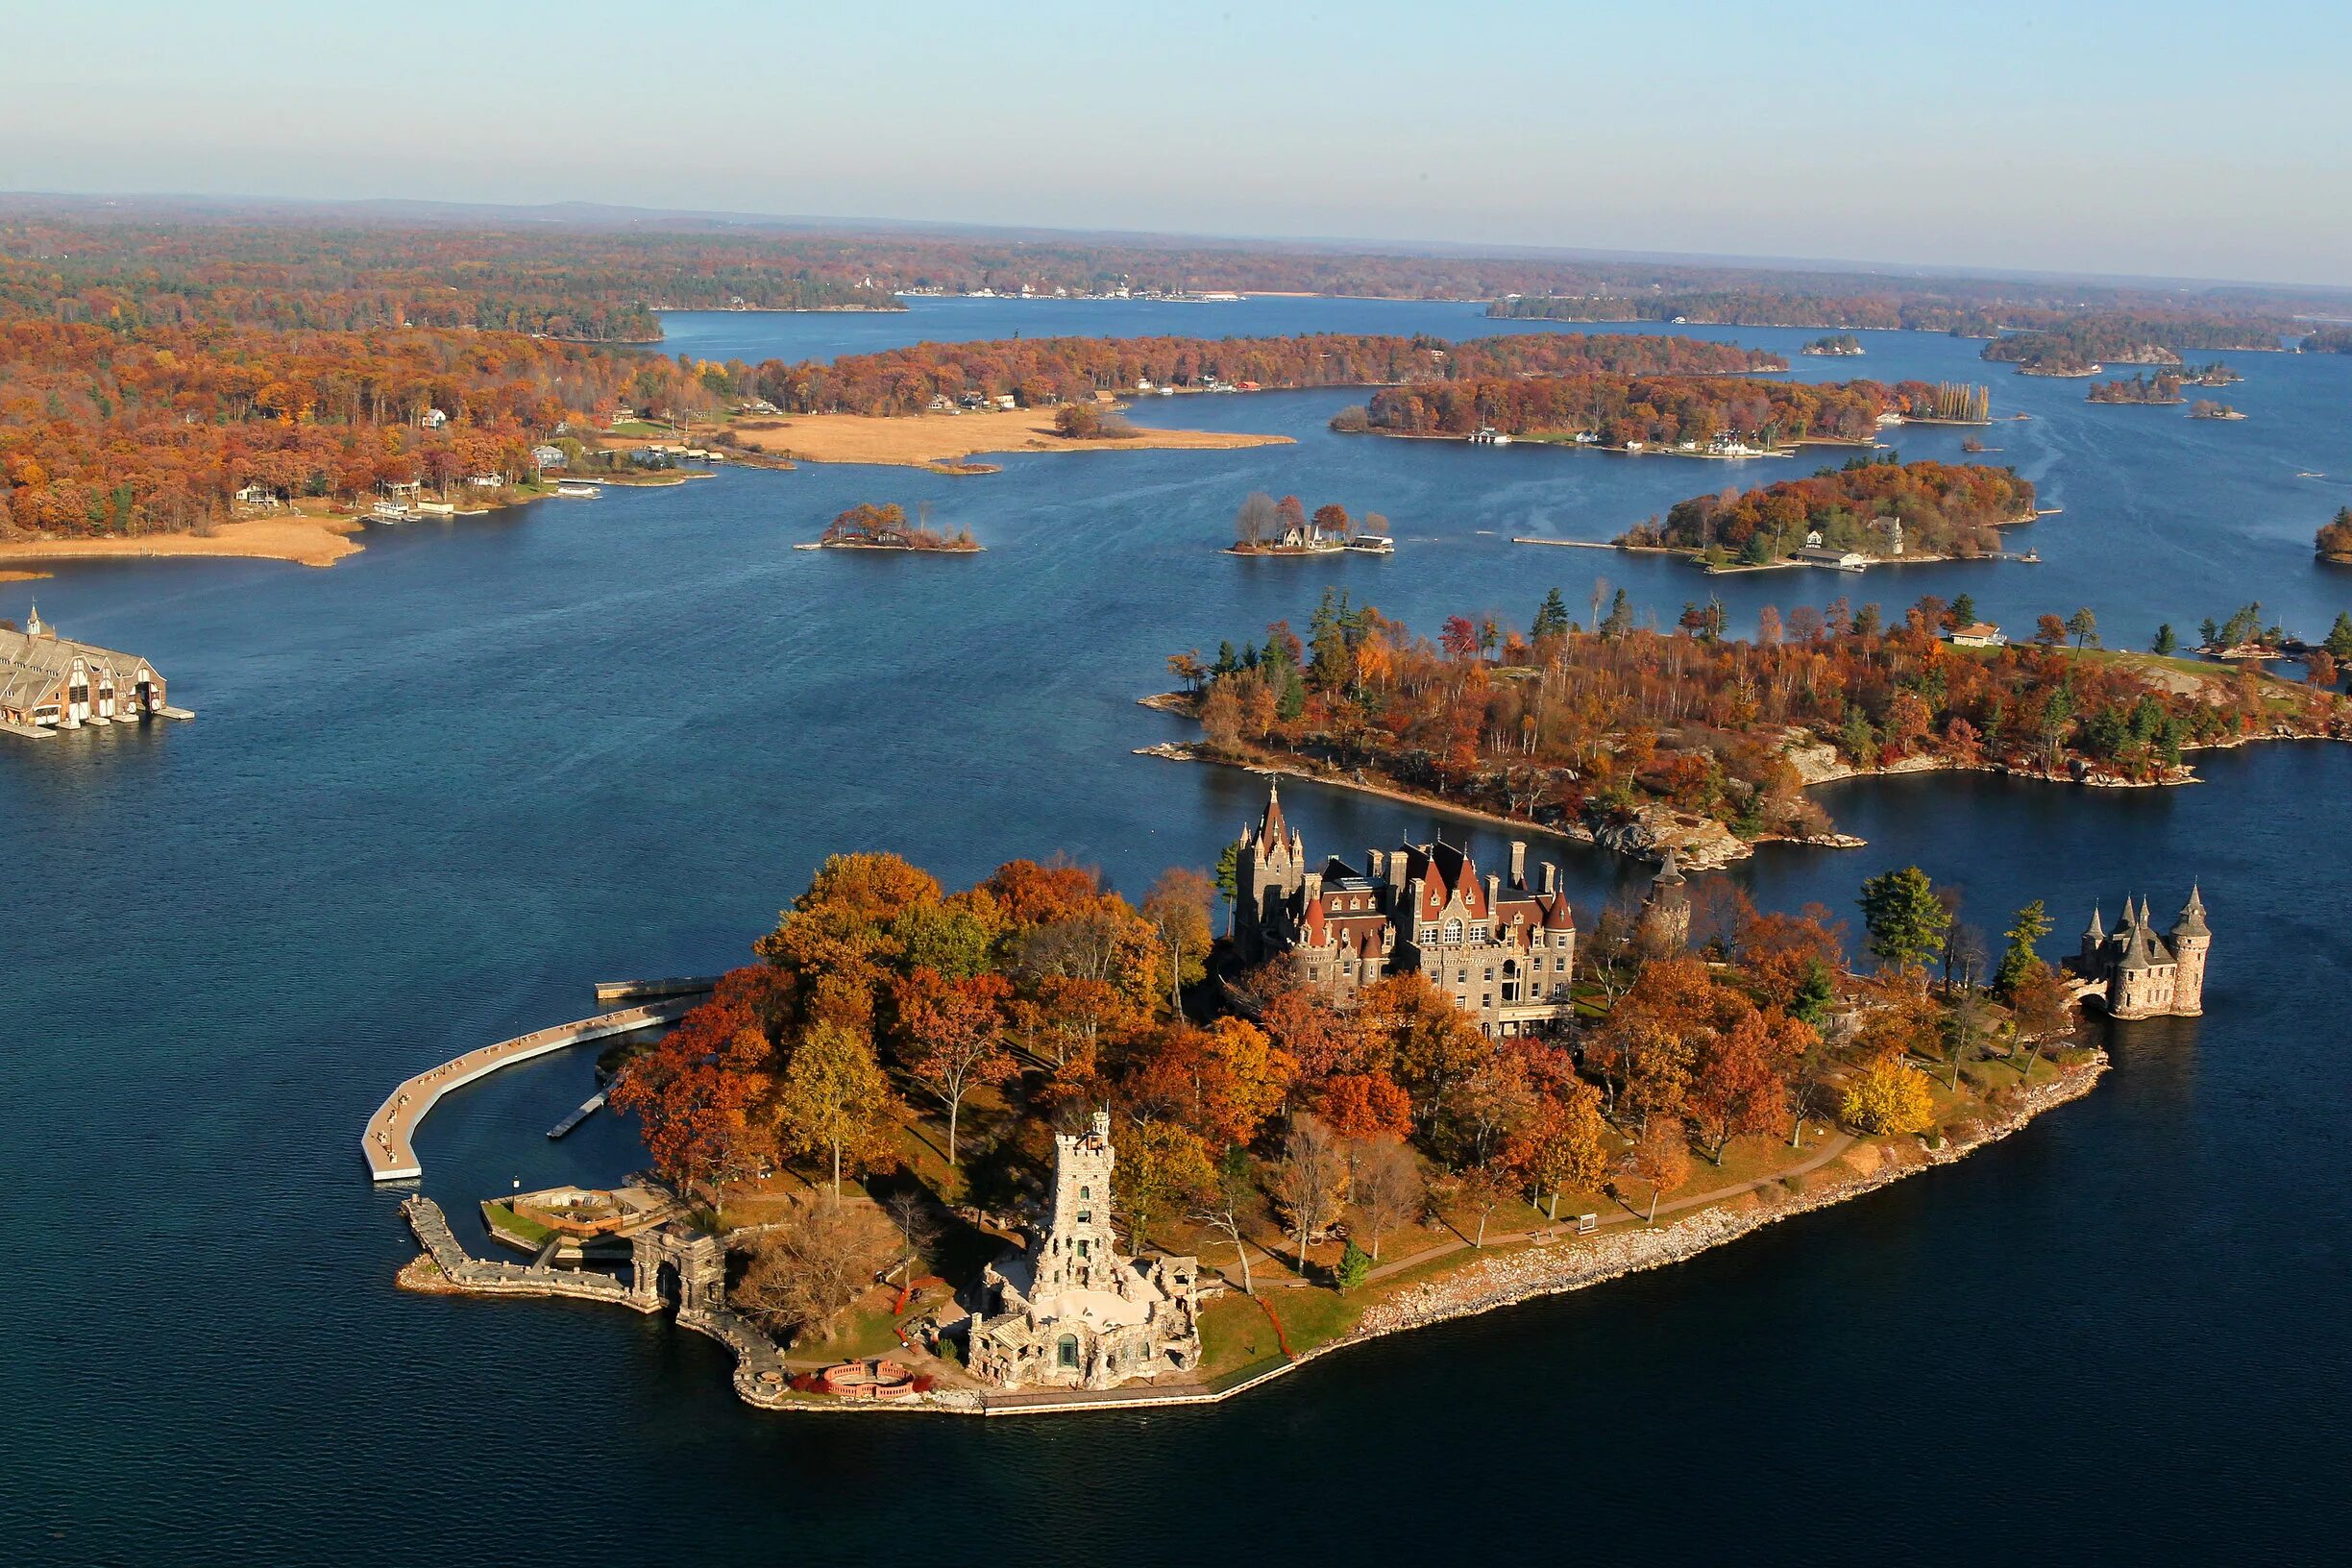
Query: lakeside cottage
1976, 634
1503, 951
50, 682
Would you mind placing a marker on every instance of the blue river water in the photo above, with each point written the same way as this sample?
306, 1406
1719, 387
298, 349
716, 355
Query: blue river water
436, 789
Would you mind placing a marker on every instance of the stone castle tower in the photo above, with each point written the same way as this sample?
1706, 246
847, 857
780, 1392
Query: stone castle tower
2138, 973
1078, 1252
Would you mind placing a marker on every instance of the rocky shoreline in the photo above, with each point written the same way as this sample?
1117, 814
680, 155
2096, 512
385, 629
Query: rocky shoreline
1547, 1270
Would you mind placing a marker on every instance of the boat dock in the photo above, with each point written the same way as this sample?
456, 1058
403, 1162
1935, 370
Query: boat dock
387, 1142
640, 991
588, 1108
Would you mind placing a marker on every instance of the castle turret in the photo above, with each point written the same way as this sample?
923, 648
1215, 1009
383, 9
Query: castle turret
1078, 1249
1269, 869
2191, 937
2094, 938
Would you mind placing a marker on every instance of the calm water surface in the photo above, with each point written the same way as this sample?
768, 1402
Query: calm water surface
436, 789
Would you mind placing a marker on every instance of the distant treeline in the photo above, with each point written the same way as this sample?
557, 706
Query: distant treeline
1619, 409
1945, 509
1048, 370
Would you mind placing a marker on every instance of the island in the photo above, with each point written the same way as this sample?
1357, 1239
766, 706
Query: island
868, 527
1267, 526
1837, 346
2161, 388
1874, 508
1640, 740
2333, 542
2207, 408
1027, 1147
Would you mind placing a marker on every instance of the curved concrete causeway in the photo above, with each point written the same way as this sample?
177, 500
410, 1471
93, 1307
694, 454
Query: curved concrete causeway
391, 1155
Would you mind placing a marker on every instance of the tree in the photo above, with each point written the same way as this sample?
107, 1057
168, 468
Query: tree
1178, 906
697, 1093
2049, 631
807, 1268
1551, 617
2043, 1006
1231, 1198
954, 1036
2339, 641
1354, 1267
1307, 1184
2084, 626
2319, 669
1228, 878
2020, 958
1078, 421
1483, 1187
1560, 1145
834, 1099
1160, 1167
1889, 1096
1737, 1089
1906, 919
1660, 1159
1389, 1188
2166, 643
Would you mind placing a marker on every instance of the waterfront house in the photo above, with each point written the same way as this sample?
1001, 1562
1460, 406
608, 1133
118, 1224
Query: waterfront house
548, 456
50, 682
1837, 560
260, 497
1976, 634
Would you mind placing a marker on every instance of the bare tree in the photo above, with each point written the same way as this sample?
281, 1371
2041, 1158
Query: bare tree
1307, 1184
1483, 1187
1257, 521
1389, 1188
1231, 1202
808, 1269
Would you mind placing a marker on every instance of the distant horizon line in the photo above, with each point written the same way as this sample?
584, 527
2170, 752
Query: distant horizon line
585, 214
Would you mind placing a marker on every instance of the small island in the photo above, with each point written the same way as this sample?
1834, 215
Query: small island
2333, 542
868, 527
1267, 526
2207, 408
2215, 374
1836, 346
2164, 387
1874, 509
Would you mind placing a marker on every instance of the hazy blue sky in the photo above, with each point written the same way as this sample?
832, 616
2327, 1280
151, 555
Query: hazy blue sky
2169, 138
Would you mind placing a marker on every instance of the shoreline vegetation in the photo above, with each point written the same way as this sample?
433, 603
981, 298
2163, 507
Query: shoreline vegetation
946, 444
862, 1116
1638, 741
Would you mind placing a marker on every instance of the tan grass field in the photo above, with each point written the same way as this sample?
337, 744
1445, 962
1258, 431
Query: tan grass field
929, 440
305, 540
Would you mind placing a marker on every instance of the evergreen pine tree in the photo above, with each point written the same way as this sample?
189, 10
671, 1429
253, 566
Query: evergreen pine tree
1906, 919
2020, 960
2166, 643
2339, 641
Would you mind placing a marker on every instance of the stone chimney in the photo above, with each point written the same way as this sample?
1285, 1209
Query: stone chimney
1376, 865
1494, 892
1518, 863
1551, 877
1398, 863
1314, 886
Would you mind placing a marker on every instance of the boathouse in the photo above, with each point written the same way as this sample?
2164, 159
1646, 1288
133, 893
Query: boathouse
50, 682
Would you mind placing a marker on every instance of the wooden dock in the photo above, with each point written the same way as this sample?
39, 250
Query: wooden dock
588, 1108
643, 990
387, 1142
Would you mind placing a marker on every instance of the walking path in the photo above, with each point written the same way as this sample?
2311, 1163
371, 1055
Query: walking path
392, 1157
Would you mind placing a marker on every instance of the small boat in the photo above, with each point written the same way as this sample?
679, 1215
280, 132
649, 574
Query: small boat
1373, 544
576, 491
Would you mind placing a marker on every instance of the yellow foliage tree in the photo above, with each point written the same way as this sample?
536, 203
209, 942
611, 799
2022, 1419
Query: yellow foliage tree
1889, 1095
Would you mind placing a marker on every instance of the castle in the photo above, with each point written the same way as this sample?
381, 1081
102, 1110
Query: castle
2136, 974
1069, 1311
49, 684
1503, 951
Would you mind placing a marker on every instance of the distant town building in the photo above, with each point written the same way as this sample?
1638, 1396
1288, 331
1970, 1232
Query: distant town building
1070, 1311
49, 682
2136, 974
1503, 951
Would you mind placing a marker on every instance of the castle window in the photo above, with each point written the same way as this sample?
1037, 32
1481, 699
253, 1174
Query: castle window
1461, 977
1561, 964
1428, 937
1453, 933
1082, 1246
1489, 973
1085, 1216
1486, 1000
1067, 1352
1086, 1191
